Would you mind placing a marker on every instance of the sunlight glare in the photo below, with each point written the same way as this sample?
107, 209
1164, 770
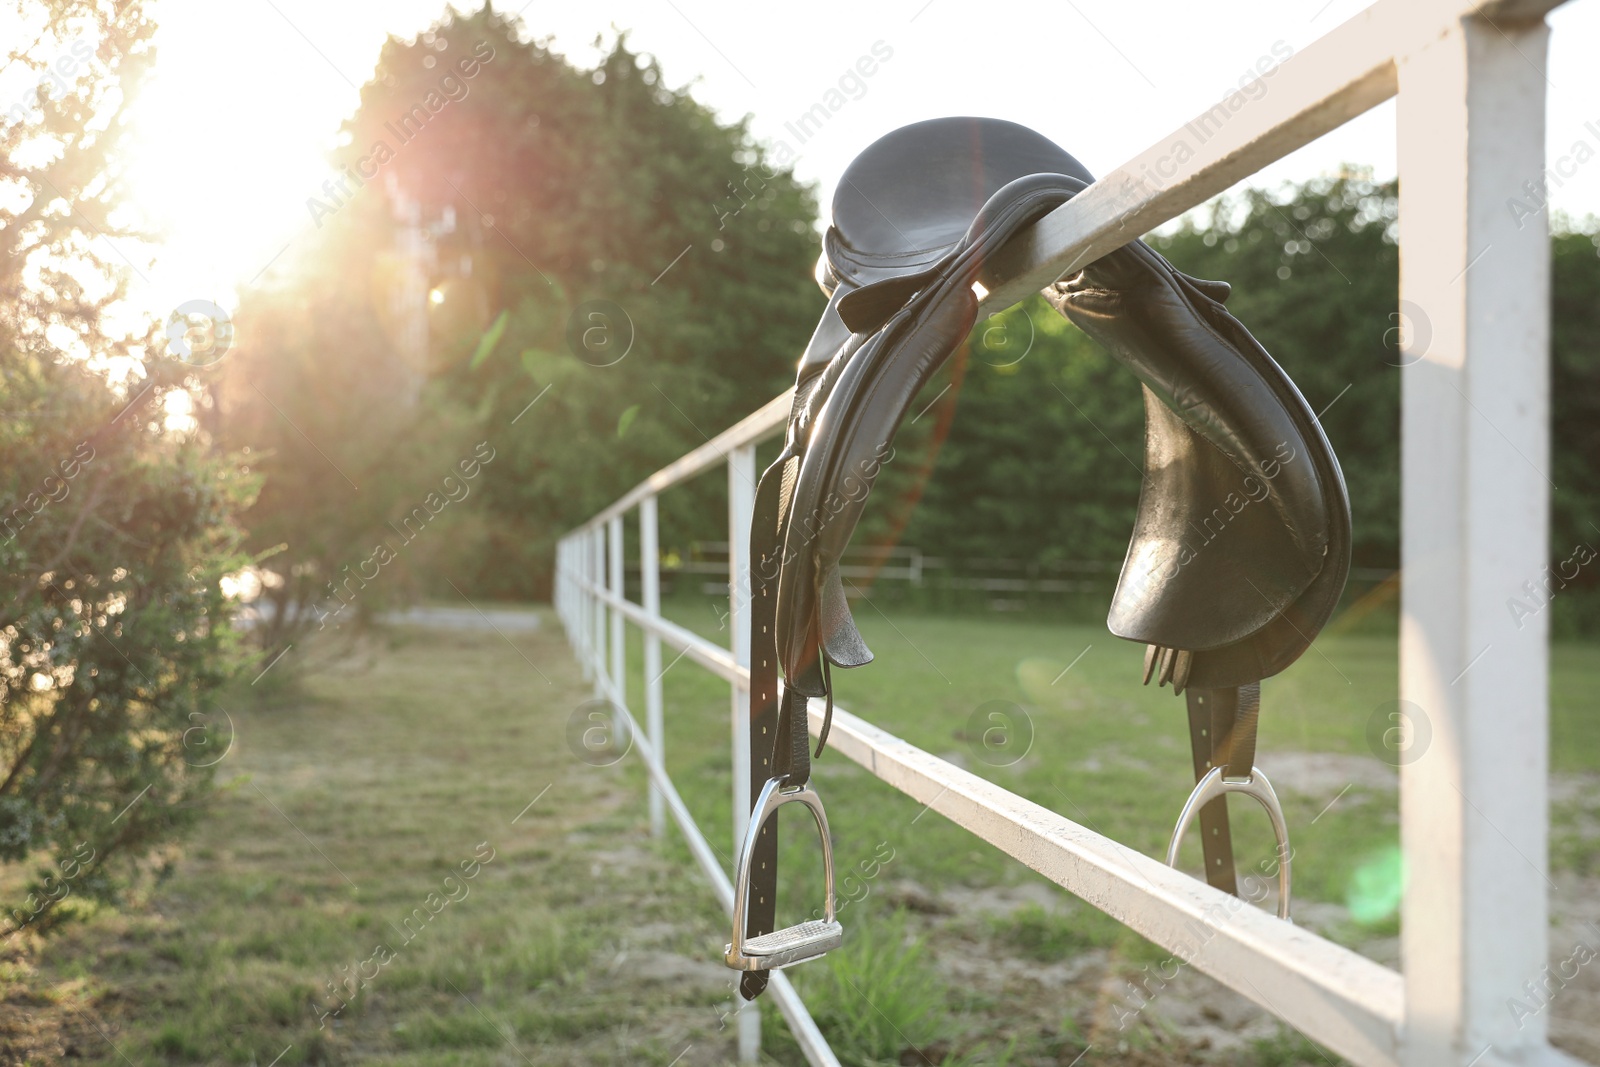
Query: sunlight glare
232, 133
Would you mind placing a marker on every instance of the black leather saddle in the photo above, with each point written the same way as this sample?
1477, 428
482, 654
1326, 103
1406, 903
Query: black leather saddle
1239, 551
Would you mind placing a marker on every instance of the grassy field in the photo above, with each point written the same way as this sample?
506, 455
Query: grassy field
1107, 751
325, 913
1113, 755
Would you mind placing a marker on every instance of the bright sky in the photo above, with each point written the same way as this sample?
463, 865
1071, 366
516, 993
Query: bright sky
248, 95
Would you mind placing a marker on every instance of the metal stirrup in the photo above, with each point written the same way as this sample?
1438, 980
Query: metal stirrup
1215, 785
794, 944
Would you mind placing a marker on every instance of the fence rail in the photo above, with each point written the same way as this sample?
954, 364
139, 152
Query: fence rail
1475, 418
910, 565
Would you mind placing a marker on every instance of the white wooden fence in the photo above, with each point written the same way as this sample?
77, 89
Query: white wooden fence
1474, 289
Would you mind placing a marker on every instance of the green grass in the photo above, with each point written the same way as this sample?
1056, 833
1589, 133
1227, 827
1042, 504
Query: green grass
1105, 751
344, 808
1289, 1049
878, 994
1042, 935
341, 826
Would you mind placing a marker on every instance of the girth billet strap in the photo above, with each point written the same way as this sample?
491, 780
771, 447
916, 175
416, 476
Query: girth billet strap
780, 758
1222, 732
766, 546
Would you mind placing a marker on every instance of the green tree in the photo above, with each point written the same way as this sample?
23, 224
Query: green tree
1315, 275
574, 187
344, 433
540, 189
1575, 417
1040, 463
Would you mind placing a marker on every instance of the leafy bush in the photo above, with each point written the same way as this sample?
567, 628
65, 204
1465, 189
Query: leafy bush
113, 644
116, 529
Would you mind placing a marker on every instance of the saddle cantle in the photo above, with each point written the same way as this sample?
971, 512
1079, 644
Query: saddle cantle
1241, 544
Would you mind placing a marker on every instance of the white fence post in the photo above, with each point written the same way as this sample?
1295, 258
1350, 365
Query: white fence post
569, 570
619, 642
1475, 464
582, 565
562, 592
741, 505
650, 599
597, 575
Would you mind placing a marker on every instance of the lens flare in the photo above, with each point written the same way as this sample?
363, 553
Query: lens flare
1375, 887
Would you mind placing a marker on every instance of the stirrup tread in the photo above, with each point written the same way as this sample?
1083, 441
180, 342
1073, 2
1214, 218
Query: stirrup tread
793, 944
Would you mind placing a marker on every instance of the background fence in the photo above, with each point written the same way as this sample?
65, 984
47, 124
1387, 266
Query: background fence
1475, 502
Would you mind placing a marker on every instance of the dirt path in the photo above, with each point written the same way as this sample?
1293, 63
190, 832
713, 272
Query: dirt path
470, 619
343, 828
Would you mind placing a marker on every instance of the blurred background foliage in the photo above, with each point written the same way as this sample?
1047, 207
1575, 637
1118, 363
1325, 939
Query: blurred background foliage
545, 188
532, 285
540, 190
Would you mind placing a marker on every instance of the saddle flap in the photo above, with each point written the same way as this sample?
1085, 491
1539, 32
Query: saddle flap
1210, 562
1242, 539
871, 387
